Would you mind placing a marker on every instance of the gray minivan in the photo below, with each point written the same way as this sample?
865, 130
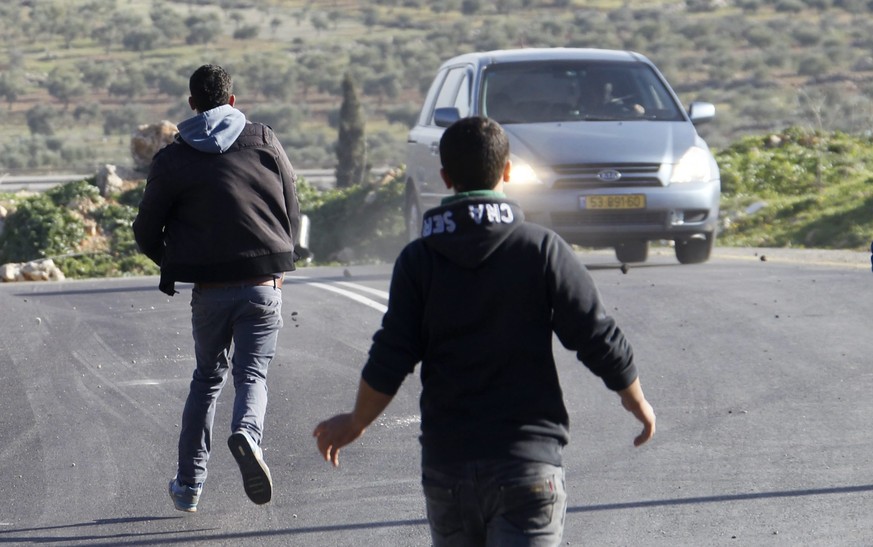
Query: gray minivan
602, 150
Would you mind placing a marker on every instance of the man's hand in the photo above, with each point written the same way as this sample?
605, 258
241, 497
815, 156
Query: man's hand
335, 433
634, 401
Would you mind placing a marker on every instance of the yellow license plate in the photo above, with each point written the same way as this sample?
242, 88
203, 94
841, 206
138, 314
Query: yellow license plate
620, 201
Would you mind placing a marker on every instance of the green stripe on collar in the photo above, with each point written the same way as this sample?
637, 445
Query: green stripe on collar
473, 194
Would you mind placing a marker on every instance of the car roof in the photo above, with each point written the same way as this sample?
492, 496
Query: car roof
483, 58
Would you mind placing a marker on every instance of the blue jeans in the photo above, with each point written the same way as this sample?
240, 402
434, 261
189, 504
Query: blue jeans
504, 503
234, 327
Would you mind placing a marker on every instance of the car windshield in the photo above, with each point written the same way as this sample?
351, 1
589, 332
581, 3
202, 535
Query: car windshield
536, 92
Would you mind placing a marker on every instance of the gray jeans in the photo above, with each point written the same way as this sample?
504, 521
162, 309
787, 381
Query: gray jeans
236, 328
493, 503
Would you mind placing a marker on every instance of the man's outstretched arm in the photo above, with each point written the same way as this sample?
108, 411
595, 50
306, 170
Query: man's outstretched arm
335, 433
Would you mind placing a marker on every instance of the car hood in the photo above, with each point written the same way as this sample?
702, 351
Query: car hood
601, 142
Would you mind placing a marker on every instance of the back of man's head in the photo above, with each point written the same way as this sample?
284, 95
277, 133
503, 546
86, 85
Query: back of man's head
474, 152
211, 87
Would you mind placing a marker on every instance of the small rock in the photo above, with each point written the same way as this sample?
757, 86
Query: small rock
624, 268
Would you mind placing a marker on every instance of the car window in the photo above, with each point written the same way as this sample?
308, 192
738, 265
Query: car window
453, 92
462, 100
426, 115
533, 92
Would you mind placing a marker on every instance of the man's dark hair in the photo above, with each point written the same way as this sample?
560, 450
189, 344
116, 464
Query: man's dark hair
210, 87
474, 152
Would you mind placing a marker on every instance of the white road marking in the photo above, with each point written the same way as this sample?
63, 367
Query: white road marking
364, 288
324, 286
143, 382
348, 294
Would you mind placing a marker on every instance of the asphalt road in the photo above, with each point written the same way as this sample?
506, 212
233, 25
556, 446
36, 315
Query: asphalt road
756, 362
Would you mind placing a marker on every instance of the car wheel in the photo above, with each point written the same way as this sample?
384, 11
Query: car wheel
632, 251
412, 216
695, 250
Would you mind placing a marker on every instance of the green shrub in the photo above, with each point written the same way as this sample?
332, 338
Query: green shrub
366, 219
811, 189
65, 194
131, 197
116, 222
106, 265
52, 224
39, 228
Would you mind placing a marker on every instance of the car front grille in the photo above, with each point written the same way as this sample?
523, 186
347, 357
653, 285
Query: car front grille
583, 176
609, 218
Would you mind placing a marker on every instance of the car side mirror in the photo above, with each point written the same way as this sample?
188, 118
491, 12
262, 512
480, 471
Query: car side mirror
701, 112
446, 116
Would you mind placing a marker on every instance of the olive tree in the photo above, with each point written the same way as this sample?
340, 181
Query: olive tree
65, 85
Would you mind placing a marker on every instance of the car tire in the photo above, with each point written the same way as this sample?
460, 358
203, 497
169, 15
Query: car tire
412, 215
632, 251
695, 250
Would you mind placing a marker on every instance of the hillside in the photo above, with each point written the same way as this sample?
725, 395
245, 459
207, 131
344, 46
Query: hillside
78, 75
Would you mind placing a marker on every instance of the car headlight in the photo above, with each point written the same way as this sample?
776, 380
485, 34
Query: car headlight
522, 173
694, 166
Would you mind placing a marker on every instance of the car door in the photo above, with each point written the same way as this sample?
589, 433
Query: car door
451, 88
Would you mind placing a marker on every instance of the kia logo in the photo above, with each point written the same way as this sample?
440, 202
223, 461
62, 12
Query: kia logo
609, 175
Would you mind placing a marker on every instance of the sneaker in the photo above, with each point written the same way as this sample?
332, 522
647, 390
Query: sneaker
255, 474
185, 497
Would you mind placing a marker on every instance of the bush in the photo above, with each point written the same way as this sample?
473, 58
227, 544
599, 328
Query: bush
809, 189
364, 222
52, 224
105, 265
39, 228
72, 192
366, 219
246, 32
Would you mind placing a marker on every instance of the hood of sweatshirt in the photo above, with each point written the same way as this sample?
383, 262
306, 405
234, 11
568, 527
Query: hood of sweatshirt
213, 131
468, 227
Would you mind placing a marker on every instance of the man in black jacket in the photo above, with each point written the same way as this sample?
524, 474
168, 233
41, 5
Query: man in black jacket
476, 301
220, 210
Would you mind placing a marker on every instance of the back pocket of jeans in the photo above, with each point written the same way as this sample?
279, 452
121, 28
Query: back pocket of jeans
529, 504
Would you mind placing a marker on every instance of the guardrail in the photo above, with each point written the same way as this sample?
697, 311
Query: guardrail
36, 183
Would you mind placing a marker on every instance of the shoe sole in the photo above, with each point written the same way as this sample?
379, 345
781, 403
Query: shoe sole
185, 508
255, 473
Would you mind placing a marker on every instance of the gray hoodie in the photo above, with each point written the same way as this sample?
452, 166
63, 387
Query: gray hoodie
213, 131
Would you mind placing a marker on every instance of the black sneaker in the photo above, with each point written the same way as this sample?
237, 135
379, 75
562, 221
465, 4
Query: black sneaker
255, 474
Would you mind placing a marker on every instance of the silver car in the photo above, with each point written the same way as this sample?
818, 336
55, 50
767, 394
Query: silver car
602, 150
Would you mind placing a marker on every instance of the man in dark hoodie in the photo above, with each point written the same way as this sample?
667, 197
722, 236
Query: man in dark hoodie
220, 210
476, 301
